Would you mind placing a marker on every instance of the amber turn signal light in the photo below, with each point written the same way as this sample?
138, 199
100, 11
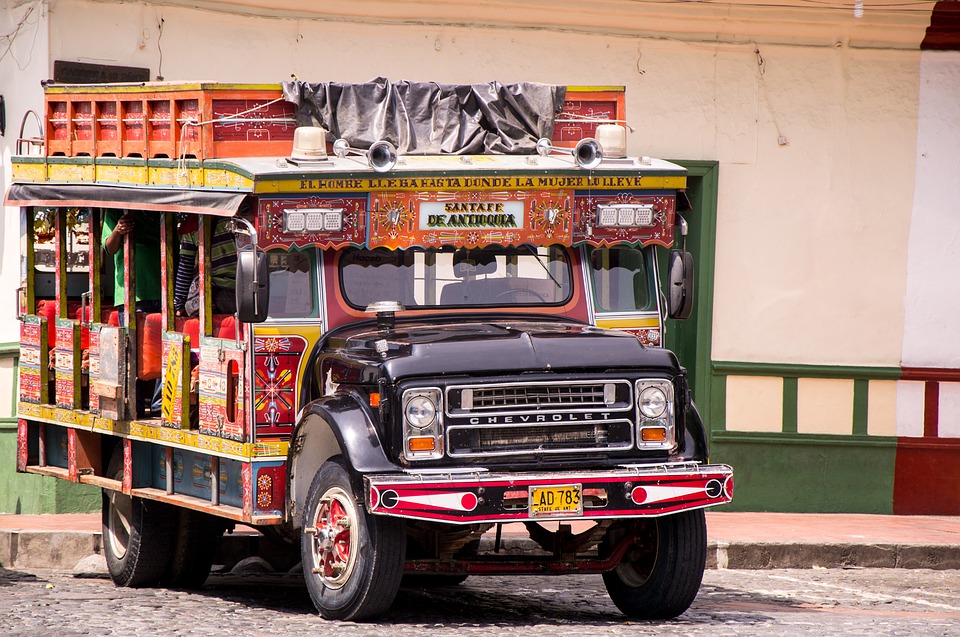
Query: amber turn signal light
653, 434
422, 443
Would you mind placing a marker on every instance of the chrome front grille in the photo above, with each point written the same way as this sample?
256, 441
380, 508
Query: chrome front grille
536, 397
539, 418
550, 438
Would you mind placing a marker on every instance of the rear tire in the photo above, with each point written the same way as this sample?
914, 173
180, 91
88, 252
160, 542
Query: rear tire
352, 561
137, 534
197, 538
659, 577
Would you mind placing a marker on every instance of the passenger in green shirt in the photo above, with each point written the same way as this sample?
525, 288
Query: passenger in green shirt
145, 227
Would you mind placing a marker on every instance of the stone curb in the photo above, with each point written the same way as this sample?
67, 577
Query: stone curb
770, 555
73, 550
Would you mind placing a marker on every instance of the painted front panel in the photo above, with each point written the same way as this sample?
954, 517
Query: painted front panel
277, 383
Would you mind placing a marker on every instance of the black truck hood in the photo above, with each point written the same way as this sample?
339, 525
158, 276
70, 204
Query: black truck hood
497, 346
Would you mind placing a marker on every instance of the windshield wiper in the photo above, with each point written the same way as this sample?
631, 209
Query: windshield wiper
543, 265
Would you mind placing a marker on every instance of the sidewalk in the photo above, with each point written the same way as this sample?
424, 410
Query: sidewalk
734, 540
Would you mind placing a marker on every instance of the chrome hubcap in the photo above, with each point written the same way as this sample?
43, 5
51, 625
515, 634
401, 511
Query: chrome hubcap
118, 523
334, 543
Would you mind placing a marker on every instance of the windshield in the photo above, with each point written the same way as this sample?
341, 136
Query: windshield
431, 278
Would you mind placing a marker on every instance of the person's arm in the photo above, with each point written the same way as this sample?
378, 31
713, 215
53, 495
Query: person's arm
114, 241
186, 271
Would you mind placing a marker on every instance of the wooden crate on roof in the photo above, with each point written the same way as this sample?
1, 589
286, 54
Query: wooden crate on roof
168, 120
585, 108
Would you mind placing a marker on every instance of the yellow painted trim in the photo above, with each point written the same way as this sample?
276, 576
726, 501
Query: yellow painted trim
220, 178
71, 172
628, 323
596, 89
28, 172
199, 177
189, 440
116, 174
153, 88
472, 182
179, 177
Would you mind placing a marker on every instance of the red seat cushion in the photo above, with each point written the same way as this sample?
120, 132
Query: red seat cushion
150, 345
224, 326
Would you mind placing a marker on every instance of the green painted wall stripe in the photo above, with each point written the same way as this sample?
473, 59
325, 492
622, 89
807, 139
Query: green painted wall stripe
789, 405
11, 350
861, 402
715, 416
805, 439
731, 368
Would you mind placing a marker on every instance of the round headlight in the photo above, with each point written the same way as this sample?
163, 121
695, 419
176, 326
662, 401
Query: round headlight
653, 402
420, 412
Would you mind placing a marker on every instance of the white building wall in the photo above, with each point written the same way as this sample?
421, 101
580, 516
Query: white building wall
811, 258
24, 62
931, 335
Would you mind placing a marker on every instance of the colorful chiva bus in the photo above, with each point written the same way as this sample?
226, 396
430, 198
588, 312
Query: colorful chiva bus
418, 344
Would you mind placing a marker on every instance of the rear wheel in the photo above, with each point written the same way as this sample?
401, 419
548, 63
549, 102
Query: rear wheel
197, 538
137, 534
352, 561
659, 576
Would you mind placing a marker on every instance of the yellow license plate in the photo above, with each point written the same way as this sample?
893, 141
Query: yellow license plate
565, 500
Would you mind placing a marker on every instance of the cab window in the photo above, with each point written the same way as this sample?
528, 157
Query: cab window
293, 288
622, 279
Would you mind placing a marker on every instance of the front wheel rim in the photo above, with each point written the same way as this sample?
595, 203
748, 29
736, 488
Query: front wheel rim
334, 542
119, 522
640, 561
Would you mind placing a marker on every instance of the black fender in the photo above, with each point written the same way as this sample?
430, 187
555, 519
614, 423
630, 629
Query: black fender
337, 425
695, 436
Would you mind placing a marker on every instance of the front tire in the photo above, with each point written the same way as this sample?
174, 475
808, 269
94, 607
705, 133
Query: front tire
352, 561
660, 575
137, 534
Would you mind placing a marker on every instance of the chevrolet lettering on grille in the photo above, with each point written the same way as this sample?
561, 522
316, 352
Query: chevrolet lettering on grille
523, 419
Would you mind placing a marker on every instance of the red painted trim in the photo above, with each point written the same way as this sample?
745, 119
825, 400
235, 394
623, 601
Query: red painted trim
931, 409
22, 447
940, 374
927, 476
72, 471
126, 484
246, 477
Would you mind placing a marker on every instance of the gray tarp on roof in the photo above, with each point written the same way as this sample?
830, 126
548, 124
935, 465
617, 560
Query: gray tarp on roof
224, 204
422, 118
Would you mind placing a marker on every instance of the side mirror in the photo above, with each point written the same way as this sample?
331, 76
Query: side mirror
253, 285
679, 284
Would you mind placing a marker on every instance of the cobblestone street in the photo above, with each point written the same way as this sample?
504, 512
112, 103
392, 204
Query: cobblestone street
875, 602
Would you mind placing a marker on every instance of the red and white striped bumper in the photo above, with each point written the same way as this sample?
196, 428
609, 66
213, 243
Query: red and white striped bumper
468, 497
